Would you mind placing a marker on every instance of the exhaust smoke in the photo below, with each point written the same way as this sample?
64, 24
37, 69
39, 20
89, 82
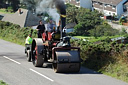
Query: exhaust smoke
48, 6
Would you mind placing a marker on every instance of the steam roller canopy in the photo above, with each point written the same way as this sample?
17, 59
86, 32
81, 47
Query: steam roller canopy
68, 61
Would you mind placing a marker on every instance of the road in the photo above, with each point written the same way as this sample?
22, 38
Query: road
15, 70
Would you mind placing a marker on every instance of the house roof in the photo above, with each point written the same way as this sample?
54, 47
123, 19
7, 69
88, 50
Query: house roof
113, 2
25, 19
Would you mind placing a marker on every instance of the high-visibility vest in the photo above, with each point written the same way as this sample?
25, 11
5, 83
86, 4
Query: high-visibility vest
28, 40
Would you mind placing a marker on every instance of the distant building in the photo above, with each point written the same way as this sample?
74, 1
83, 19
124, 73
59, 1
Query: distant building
86, 4
22, 17
107, 7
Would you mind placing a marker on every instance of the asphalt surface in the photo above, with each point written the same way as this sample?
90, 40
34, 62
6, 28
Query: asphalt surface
15, 70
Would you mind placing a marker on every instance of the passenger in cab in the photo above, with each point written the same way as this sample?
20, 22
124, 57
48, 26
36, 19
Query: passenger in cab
40, 28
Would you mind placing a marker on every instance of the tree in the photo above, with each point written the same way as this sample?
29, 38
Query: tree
12, 3
103, 30
71, 13
2, 3
30, 4
15, 4
86, 20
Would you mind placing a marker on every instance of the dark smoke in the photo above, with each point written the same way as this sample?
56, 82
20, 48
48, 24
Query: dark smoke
48, 6
61, 6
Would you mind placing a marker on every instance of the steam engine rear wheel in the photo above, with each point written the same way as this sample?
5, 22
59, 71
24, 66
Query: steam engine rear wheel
37, 55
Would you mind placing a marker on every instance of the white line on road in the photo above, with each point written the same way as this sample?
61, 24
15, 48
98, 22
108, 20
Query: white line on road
11, 59
42, 75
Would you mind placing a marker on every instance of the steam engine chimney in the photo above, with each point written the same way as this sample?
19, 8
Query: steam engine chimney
63, 21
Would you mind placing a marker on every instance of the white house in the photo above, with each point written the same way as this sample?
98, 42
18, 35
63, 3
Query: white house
107, 7
86, 4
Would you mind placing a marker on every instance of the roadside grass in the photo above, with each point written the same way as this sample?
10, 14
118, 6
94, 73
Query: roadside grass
84, 37
2, 83
109, 58
118, 70
93, 39
5, 12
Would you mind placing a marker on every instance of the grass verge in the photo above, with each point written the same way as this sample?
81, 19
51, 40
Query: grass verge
93, 39
5, 12
109, 58
2, 83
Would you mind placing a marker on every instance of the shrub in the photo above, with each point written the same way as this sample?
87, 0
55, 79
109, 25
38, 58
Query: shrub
15, 33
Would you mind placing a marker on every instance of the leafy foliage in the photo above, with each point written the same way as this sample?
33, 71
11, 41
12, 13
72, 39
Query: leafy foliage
9, 9
2, 83
105, 57
15, 33
103, 30
88, 22
71, 13
11, 3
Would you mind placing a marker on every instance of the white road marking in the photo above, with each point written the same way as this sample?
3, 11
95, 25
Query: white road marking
11, 59
41, 75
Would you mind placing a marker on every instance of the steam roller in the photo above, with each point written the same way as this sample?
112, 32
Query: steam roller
63, 57
54, 47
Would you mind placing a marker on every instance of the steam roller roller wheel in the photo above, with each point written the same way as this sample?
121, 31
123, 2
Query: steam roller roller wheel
37, 58
57, 68
68, 61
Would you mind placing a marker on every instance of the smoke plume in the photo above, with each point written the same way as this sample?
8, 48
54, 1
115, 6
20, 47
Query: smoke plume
48, 6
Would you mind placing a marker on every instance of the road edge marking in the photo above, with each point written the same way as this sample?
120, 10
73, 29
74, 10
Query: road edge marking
11, 59
41, 75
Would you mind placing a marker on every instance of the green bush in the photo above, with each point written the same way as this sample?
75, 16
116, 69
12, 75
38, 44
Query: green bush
2, 83
9, 9
104, 57
103, 30
15, 33
88, 22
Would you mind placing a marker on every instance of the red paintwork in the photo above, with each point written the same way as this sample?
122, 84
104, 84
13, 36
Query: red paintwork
36, 52
49, 35
45, 37
54, 44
